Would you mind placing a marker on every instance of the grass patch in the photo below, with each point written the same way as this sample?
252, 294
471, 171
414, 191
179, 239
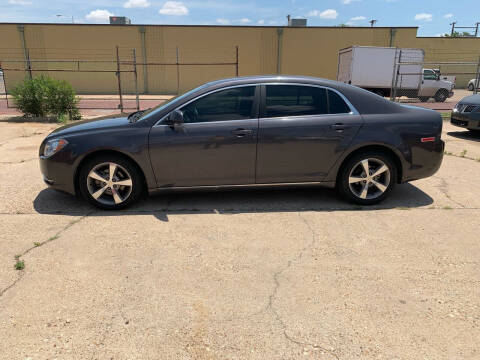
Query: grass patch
448, 207
402, 208
463, 153
55, 237
19, 265
446, 115
36, 243
17, 256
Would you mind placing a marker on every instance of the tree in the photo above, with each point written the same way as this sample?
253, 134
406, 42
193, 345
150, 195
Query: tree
458, 34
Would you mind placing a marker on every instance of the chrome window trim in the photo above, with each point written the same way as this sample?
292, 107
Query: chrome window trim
353, 111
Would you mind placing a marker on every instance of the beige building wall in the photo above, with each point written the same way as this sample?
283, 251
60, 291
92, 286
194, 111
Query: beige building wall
262, 50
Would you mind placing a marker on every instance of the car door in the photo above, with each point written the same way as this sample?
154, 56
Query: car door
303, 130
216, 144
429, 84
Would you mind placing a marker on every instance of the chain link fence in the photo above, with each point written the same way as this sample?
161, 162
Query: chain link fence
415, 80
116, 78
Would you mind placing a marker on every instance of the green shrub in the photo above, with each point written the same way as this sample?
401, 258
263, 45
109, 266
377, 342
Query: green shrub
43, 96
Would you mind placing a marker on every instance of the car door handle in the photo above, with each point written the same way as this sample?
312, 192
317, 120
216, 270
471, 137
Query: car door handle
242, 132
339, 127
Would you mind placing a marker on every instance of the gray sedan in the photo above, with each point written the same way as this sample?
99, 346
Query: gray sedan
260, 131
466, 113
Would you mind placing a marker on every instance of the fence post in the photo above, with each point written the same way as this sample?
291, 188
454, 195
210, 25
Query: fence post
394, 78
135, 77
6, 93
236, 60
178, 74
477, 78
29, 64
119, 83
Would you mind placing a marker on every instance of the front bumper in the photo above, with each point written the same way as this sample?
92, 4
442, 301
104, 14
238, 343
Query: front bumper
57, 174
470, 121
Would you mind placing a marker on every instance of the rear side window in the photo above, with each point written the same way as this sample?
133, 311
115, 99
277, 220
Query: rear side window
290, 100
223, 105
336, 105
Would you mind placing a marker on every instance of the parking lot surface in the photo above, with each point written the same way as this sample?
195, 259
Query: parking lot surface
240, 275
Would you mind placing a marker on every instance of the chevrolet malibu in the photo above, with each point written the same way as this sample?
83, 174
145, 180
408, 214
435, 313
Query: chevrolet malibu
243, 132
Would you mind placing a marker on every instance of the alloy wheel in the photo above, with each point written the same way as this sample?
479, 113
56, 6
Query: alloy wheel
369, 178
109, 183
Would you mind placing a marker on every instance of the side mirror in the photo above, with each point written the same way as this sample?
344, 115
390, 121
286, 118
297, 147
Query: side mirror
175, 119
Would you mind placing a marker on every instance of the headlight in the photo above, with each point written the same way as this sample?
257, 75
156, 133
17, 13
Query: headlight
53, 146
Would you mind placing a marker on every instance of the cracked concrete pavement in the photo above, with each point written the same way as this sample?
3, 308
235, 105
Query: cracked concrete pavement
240, 275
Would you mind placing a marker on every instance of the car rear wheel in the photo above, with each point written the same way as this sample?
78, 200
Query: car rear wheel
110, 182
471, 87
367, 178
424, 98
441, 95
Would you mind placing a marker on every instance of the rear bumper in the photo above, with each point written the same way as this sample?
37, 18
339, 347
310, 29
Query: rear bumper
426, 160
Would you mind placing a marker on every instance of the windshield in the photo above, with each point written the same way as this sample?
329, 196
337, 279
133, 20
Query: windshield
163, 105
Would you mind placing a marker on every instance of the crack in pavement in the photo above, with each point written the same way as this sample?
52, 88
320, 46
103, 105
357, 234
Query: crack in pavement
273, 295
40, 244
17, 162
463, 157
444, 190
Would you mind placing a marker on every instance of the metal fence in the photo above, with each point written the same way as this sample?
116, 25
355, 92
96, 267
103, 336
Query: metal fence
125, 69
416, 80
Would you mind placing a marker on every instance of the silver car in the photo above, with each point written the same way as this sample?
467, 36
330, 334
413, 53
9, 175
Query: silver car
471, 84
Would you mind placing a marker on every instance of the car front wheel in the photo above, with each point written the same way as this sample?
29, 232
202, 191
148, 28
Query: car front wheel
367, 178
110, 182
471, 87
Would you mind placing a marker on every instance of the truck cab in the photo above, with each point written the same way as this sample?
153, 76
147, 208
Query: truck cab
433, 86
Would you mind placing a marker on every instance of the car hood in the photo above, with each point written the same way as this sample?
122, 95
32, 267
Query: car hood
471, 100
91, 125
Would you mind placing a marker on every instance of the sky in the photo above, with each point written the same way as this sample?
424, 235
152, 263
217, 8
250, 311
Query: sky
431, 16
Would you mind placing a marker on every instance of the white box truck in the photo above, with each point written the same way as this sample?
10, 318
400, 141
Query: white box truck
375, 68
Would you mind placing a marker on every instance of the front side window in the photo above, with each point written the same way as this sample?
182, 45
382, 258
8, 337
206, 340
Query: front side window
290, 100
429, 75
223, 105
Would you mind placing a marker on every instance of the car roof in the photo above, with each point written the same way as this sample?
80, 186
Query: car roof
272, 78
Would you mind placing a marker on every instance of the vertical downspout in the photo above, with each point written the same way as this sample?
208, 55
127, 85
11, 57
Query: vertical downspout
393, 31
144, 59
279, 50
21, 29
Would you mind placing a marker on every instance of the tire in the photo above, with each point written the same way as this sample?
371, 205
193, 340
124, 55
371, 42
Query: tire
441, 95
95, 180
471, 87
424, 98
354, 169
